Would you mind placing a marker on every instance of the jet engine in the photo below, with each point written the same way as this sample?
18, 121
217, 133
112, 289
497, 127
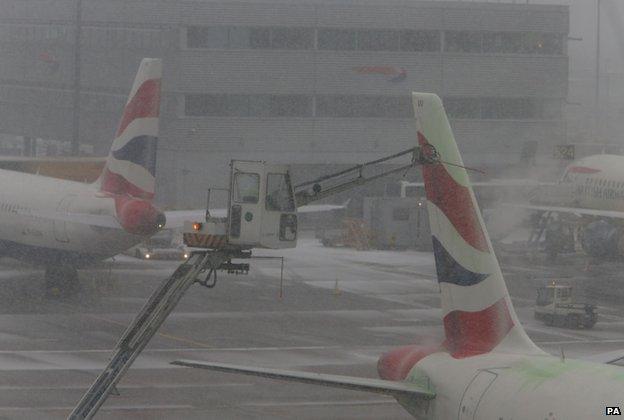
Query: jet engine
601, 239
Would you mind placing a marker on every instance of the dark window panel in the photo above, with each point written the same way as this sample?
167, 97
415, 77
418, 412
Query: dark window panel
427, 41
206, 105
292, 38
463, 41
509, 108
363, 106
290, 106
260, 38
217, 105
335, 106
502, 42
463, 108
542, 43
336, 39
206, 37
237, 105
240, 37
259, 105
378, 40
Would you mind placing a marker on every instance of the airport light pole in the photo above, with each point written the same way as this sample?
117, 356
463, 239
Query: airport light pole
75, 140
597, 70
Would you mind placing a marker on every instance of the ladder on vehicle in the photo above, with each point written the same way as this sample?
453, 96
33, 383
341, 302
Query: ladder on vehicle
145, 325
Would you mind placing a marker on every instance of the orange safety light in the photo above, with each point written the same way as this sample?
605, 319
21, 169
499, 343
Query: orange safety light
197, 226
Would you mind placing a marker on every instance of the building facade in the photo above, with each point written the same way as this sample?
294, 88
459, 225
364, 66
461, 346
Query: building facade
314, 83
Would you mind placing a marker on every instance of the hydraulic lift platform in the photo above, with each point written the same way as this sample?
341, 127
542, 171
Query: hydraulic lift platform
262, 213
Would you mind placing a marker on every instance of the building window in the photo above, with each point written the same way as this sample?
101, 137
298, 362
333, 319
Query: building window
260, 38
290, 106
363, 106
463, 108
344, 39
378, 40
463, 41
292, 38
207, 37
523, 43
542, 43
502, 42
428, 41
224, 105
336, 39
508, 108
237, 37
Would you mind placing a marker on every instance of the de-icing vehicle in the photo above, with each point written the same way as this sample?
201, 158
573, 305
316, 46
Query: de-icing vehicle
261, 213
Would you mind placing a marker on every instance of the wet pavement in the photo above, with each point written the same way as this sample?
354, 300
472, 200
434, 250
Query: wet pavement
340, 309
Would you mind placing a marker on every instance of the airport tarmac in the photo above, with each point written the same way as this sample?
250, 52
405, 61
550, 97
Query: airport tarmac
340, 309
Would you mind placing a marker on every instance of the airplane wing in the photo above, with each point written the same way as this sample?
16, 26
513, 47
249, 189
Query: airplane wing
176, 218
574, 210
378, 386
495, 183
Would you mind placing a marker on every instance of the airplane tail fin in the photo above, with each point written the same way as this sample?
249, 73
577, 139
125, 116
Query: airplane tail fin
476, 307
131, 165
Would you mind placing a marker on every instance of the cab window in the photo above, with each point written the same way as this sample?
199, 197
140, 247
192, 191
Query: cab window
279, 193
246, 187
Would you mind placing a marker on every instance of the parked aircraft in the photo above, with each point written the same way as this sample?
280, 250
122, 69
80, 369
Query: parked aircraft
487, 367
64, 225
590, 197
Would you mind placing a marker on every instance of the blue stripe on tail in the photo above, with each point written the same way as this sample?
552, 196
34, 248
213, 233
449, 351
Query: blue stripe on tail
450, 271
141, 150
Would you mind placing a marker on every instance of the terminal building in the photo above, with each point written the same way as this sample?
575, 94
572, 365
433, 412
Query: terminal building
313, 83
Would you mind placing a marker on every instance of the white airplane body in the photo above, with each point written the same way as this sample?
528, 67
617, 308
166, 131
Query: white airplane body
24, 225
594, 183
487, 367
63, 224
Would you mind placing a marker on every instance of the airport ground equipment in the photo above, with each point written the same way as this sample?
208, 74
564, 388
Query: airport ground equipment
262, 213
555, 305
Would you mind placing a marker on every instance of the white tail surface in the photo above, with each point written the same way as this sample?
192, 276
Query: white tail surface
477, 311
131, 165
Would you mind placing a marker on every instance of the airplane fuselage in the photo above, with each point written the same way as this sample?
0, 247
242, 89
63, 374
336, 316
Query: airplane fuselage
597, 182
26, 232
514, 386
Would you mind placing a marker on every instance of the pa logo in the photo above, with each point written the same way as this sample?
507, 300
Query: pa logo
613, 411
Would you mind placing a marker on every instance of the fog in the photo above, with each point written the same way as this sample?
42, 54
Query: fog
254, 186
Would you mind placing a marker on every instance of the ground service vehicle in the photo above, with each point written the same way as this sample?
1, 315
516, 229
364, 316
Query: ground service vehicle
555, 306
261, 213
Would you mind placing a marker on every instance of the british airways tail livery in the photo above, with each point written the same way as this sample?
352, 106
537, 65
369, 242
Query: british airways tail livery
486, 367
131, 165
64, 225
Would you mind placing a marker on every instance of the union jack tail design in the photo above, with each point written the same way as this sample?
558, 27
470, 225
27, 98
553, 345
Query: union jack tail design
477, 311
131, 165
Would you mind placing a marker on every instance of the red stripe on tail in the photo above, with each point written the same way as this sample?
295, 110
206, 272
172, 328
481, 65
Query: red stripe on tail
144, 104
473, 333
454, 200
116, 184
